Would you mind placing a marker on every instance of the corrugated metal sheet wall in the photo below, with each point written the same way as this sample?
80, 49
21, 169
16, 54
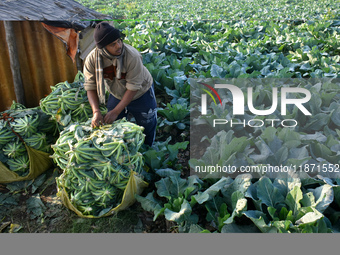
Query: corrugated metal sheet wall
43, 63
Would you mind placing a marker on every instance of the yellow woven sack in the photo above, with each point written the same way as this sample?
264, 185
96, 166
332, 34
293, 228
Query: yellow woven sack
39, 162
134, 186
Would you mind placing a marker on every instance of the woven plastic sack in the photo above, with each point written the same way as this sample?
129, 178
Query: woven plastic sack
134, 186
39, 162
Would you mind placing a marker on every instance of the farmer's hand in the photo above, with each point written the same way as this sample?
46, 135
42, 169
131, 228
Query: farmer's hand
111, 116
97, 119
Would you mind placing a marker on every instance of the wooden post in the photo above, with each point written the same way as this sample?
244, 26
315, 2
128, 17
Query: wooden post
79, 62
14, 62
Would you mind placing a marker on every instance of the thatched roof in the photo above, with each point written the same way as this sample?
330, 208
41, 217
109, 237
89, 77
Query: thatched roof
43, 10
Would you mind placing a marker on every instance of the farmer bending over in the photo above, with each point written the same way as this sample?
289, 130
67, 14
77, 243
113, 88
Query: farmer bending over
119, 68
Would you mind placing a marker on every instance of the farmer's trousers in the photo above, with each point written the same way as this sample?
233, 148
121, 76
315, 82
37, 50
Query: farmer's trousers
143, 109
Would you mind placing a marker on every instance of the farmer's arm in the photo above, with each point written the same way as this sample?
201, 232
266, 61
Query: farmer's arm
97, 118
112, 115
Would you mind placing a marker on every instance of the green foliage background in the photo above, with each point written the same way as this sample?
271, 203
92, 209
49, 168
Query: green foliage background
185, 39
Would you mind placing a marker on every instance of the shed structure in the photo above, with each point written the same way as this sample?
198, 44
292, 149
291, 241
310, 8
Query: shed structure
39, 47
